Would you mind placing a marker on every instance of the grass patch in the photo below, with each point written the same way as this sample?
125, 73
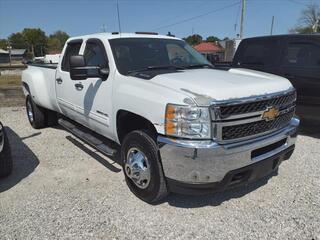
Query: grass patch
10, 80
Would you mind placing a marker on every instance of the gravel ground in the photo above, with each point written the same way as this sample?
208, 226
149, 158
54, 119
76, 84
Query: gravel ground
62, 189
11, 96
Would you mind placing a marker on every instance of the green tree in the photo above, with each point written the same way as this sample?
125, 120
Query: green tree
61, 36
193, 39
36, 40
54, 45
3, 44
309, 21
17, 40
212, 39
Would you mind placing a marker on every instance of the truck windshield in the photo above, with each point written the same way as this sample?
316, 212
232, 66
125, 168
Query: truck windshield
148, 54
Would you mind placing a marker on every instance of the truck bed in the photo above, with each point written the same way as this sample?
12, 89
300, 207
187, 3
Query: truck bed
40, 79
45, 65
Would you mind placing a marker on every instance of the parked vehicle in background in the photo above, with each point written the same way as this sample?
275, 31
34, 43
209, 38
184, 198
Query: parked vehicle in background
295, 57
51, 58
5, 154
182, 125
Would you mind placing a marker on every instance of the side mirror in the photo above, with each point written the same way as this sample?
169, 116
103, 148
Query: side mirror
80, 71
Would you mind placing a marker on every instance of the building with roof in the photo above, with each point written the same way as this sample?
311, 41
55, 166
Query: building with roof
4, 56
212, 51
18, 54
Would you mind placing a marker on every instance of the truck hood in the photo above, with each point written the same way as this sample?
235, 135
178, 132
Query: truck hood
207, 85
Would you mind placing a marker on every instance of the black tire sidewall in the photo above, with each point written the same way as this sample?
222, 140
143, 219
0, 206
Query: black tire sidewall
39, 120
5, 157
143, 142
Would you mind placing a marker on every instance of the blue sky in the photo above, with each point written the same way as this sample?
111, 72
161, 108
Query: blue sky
218, 17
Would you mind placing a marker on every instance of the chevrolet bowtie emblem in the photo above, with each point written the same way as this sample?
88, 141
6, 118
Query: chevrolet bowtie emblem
270, 114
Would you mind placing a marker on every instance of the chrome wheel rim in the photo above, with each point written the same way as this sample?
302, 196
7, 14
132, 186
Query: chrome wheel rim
137, 168
29, 111
1, 138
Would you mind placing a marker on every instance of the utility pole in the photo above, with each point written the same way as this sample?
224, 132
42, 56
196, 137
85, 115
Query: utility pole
316, 26
9, 48
103, 28
272, 23
243, 11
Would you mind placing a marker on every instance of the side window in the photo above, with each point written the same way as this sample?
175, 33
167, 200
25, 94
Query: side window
95, 54
302, 54
258, 53
73, 48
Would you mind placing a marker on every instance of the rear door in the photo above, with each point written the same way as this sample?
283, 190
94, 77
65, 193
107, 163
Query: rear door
64, 85
300, 63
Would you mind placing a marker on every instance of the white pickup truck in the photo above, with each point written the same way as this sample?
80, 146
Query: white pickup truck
180, 125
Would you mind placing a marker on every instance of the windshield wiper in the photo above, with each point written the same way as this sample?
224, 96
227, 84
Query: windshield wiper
150, 68
199, 66
253, 63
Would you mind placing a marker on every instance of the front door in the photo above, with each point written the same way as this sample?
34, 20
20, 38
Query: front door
95, 101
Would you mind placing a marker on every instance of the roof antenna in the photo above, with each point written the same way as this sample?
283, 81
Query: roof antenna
119, 23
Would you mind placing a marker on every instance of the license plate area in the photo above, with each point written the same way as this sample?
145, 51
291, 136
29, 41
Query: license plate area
260, 151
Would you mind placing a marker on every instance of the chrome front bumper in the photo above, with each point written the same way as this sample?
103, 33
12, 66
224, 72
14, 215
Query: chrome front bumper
203, 162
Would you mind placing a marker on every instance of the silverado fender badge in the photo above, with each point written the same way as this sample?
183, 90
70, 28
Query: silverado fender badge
270, 113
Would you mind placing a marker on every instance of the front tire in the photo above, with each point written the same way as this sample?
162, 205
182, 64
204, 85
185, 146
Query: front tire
5, 154
36, 114
142, 168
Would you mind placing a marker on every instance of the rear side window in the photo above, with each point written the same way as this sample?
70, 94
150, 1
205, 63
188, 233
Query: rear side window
73, 48
257, 53
95, 54
302, 54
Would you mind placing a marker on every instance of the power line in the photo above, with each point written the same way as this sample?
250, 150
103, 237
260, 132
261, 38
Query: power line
198, 16
299, 3
181, 15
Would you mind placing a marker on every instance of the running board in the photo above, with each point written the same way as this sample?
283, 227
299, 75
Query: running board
88, 138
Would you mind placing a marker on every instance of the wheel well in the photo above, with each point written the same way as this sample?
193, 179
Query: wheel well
128, 121
26, 86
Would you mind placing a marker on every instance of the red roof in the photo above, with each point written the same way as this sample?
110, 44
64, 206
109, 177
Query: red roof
207, 47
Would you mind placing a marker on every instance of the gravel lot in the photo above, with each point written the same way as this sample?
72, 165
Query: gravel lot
62, 189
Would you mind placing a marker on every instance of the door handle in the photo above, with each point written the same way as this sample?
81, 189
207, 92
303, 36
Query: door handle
79, 86
59, 80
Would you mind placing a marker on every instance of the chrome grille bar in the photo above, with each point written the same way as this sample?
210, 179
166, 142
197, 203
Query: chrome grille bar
241, 119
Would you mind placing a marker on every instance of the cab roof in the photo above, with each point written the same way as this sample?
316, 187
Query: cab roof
116, 35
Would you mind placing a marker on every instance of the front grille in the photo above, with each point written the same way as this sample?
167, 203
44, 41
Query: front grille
284, 100
254, 128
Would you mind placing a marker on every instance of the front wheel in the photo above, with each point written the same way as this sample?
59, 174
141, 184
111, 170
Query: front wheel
142, 167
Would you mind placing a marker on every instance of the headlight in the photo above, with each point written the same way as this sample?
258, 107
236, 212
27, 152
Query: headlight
188, 122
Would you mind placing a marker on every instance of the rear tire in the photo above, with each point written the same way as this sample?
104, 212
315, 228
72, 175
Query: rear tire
36, 114
5, 154
145, 177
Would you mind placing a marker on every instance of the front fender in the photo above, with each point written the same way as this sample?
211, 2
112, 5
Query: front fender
145, 99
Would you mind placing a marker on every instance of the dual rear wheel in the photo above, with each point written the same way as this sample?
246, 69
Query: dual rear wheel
39, 117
